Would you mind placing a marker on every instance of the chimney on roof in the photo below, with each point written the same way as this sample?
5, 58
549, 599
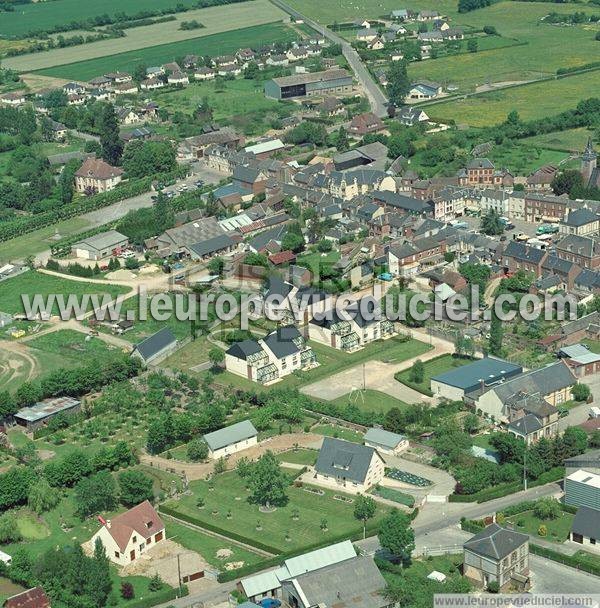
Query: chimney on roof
108, 523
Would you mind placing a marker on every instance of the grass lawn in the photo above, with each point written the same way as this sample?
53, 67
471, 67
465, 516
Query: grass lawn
216, 44
332, 361
315, 261
558, 529
143, 329
8, 589
32, 283
530, 101
74, 346
370, 401
564, 141
396, 495
483, 441
39, 240
30, 526
432, 368
299, 456
593, 345
245, 516
192, 354
207, 546
339, 432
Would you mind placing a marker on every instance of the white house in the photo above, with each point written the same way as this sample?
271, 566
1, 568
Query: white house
386, 442
349, 330
348, 466
271, 358
231, 439
129, 535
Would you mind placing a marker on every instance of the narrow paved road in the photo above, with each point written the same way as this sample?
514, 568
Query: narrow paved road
377, 99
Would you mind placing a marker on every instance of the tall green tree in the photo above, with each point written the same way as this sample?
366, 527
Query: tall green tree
268, 482
398, 82
396, 535
364, 509
135, 487
491, 224
95, 494
496, 335
108, 126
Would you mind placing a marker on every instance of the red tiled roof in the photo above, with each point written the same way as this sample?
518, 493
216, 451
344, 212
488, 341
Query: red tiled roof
32, 598
98, 169
142, 519
283, 257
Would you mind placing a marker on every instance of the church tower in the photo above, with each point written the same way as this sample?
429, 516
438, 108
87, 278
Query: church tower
588, 162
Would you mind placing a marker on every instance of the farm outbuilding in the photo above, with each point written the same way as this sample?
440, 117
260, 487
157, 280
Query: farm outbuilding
37, 415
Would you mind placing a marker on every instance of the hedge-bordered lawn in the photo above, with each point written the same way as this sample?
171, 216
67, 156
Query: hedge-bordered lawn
306, 531
558, 529
433, 367
300, 456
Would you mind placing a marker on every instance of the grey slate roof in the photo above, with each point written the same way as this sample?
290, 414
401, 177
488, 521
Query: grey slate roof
384, 438
580, 217
495, 542
353, 583
281, 342
212, 245
587, 522
230, 435
521, 252
345, 459
242, 350
526, 425
154, 344
544, 381
532, 404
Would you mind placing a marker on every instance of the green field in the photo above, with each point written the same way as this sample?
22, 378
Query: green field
245, 516
339, 432
37, 241
531, 101
45, 15
71, 345
240, 103
216, 44
572, 140
370, 401
434, 367
33, 283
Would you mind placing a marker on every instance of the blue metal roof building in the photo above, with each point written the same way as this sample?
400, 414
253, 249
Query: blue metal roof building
455, 383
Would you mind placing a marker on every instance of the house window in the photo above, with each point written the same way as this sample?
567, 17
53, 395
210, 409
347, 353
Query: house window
134, 539
117, 554
592, 541
576, 538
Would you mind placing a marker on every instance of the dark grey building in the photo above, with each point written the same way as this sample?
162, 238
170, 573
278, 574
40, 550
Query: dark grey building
327, 82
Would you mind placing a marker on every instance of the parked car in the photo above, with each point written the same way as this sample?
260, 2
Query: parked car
270, 602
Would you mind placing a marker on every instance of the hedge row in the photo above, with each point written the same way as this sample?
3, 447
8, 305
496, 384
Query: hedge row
509, 488
574, 561
470, 525
528, 505
160, 597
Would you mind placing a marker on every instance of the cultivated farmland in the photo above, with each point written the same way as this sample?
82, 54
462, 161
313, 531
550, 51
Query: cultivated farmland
45, 15
217, 44
215, 19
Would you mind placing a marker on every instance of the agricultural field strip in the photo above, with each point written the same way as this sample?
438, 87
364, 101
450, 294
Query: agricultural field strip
216, 20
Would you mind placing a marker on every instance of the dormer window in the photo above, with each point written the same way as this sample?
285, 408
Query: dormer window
149, 524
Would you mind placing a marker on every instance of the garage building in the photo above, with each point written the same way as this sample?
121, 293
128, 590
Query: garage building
324, 83
100, 246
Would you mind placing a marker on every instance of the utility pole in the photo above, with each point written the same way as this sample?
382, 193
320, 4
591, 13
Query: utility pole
525, 467
179, 571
